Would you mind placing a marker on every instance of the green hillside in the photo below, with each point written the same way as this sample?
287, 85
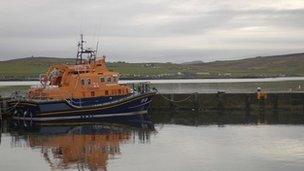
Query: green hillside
270, 66
281, 65
30, 68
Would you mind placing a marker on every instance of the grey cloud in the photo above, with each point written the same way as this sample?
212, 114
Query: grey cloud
227, 19
50, 28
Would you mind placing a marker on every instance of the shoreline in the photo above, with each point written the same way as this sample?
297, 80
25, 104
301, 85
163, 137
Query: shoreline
174, 81
174, 78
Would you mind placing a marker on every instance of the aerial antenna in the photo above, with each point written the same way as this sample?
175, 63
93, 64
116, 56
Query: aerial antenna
91, 54
80, 50
96, 50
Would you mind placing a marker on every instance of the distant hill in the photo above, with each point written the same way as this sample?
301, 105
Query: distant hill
268, 66
28, 67
192, 62
280, 65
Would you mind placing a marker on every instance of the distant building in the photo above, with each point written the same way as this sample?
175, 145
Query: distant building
203, 73
227, 74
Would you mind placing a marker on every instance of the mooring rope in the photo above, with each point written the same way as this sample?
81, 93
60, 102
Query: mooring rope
177, 101
9, 109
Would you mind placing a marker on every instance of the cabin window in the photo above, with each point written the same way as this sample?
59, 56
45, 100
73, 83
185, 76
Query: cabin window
82, 82
102, 79
89, 81
106, 92
92, 93
115, 79
109, 79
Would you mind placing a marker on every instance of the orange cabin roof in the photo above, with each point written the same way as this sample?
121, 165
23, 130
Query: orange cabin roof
79, 81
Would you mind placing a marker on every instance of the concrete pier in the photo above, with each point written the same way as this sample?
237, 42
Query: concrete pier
228, 108
222, 102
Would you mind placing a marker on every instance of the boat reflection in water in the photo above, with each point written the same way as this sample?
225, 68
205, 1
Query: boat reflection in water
78, 145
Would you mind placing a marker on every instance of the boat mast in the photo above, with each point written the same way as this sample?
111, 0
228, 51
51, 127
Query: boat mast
91, 54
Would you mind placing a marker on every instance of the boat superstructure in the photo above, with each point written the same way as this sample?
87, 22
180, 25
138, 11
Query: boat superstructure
87, 89
87, 78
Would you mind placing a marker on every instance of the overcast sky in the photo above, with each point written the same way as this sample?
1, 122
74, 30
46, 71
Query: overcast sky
152, 30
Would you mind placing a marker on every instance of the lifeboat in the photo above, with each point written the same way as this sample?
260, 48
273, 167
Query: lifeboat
86, 90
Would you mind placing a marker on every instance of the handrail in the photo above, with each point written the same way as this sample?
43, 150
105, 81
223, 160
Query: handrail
103, 104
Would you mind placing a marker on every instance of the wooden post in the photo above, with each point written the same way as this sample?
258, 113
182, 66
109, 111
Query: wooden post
171, 103
0, 111
220, 102
247, 104
275, 104
1, 107
196, 105
262, 110
302, 99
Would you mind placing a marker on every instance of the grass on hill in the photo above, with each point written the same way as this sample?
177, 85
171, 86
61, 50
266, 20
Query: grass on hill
288, 65
271, 66
33, 66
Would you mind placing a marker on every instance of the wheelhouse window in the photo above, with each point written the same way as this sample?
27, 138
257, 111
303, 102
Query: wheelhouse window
115, 79
109, 79
82, 82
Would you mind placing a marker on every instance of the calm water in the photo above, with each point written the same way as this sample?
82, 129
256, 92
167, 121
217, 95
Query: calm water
180, 141
289, 84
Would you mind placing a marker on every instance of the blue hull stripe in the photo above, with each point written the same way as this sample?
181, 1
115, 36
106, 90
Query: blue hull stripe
97, 108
